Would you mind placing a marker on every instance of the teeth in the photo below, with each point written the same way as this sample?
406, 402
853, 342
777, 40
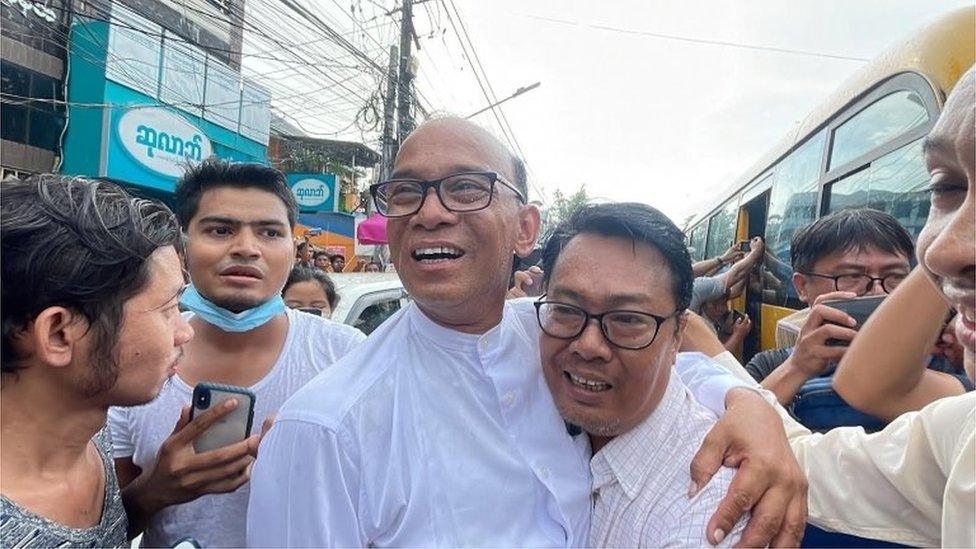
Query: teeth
437, 253
588, 384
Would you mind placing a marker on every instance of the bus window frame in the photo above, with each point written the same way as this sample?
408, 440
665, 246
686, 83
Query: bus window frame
904, 81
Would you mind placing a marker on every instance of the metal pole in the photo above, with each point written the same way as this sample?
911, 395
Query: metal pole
405, 83
389, 104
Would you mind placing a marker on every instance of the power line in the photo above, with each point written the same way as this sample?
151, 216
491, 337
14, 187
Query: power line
696, 40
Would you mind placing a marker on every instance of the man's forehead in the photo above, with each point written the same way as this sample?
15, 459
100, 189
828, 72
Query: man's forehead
243, 205
443, 146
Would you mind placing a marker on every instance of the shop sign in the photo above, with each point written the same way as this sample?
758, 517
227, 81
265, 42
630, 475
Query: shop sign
162, 141
313, 192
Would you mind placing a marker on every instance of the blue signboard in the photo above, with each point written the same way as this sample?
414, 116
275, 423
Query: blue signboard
314, 192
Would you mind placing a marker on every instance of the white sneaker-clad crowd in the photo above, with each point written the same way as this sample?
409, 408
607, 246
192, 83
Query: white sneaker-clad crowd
604, 413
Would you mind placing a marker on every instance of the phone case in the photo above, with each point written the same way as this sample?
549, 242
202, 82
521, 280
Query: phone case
859, 308
233, 427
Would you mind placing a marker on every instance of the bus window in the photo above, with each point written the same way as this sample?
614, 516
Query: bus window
877, 124
894, 183
792, 205
721, 229
697, 242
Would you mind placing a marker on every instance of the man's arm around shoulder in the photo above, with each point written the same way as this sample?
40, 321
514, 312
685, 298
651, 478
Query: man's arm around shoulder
305, 488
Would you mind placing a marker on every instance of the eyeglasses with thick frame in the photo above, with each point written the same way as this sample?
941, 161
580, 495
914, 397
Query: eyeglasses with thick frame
382, 206
862, 283
602, 320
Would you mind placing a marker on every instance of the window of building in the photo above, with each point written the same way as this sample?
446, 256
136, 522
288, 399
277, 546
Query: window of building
32, 107
894, 183
877, 124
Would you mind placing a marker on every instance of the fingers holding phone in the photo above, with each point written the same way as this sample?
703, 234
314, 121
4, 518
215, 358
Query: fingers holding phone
817, 345
191, 463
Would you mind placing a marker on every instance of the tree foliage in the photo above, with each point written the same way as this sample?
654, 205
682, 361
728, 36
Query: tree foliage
561, 208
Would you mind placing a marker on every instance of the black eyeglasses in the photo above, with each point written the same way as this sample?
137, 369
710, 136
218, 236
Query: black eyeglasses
633, 330
860, 284
460, 192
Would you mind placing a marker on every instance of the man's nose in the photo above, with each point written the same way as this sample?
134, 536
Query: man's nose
875, 287
184, 332
432, 212
246, 244
591, 344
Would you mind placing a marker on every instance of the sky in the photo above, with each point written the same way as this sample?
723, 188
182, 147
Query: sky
635, 117
632, 115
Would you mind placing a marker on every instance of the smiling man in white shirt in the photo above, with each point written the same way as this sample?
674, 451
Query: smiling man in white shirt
440, 430
611, 331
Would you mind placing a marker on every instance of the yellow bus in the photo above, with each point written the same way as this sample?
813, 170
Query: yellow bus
862, 147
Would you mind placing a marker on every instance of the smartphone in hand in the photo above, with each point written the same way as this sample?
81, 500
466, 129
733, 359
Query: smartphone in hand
233, 427
859, 308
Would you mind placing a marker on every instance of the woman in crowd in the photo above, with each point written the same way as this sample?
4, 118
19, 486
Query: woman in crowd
310, 289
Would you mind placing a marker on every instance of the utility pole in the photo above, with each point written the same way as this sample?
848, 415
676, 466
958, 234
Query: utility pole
389, 104
405, 81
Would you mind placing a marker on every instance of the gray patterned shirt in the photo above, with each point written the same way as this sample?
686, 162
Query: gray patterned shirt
21, 528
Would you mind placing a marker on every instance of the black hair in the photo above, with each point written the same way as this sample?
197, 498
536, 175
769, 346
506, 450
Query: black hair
630, 220
306, 274
320, 253
845, 231
215, 172
302, 246
81, 244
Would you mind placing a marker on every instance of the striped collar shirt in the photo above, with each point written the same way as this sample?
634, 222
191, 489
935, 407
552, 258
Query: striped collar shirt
641, 479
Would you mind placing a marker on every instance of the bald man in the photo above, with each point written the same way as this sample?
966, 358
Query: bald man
440, 430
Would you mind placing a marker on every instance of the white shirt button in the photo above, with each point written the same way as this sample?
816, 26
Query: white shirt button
484, 345
544, 472
509, 399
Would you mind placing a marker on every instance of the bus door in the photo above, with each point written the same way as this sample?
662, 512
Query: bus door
752, 222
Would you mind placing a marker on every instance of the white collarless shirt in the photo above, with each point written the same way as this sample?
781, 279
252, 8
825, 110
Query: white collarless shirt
425, 436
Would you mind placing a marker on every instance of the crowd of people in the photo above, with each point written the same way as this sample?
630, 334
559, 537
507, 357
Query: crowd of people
614, 410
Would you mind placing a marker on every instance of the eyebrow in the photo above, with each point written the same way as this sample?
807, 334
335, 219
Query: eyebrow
177, 295
237, 222
886, 267
456, 168
936, 143
615, 300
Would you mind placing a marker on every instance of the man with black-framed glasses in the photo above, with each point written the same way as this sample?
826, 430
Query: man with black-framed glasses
849, 253
608, 352
439, 430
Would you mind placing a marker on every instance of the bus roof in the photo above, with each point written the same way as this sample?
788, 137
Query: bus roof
928, 52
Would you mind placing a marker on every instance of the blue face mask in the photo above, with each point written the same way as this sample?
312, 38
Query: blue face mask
227, 321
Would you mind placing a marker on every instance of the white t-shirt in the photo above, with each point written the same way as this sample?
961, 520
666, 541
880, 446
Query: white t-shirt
312, 345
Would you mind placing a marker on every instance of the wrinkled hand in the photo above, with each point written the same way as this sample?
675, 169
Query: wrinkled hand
769, 482
181, 475
812, 354
526, 282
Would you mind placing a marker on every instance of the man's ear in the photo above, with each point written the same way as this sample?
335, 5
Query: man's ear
800, 283
54, 334
529, 223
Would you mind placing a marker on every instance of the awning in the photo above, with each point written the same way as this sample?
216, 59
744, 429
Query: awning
372, 231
